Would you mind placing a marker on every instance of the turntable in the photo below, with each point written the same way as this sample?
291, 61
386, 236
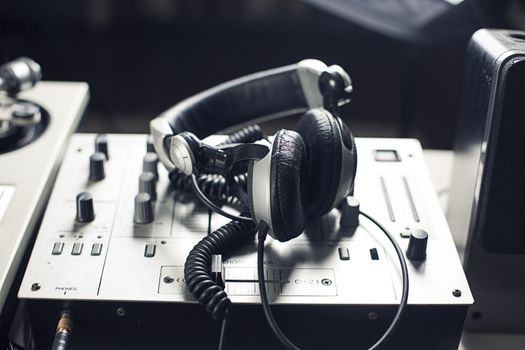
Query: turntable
36, 120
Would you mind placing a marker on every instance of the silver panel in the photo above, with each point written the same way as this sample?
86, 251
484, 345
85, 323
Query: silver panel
6, 193
296, 268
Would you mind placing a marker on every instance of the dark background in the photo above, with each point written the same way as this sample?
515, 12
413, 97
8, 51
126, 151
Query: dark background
140, 57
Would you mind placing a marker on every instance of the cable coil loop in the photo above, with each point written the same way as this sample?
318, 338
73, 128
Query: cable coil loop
248, 134
197, 272
215, 186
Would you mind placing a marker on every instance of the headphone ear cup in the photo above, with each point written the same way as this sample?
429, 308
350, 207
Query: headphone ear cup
322, 139
250, 191
288, 166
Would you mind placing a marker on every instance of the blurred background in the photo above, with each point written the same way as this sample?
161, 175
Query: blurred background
405, 57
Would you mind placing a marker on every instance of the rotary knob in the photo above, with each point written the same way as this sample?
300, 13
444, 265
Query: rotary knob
150, 147
85, 210
417, 247
25, 111
149, 164
101, 145
143, 209
96, 166
147, 184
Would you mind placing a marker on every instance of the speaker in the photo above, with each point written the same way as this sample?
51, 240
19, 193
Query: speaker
486, 208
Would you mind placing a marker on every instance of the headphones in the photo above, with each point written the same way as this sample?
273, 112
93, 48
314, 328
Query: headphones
297, 175
300, 174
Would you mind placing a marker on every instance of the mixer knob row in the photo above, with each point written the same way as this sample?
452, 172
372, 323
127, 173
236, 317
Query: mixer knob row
143, 205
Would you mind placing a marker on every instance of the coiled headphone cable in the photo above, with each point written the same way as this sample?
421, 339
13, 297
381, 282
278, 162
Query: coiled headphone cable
214, 186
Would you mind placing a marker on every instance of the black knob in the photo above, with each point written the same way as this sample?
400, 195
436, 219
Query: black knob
101, 144
417, 247
149, 145
350, 213
96, 166
85, 210
143, 209
147, 184
149, 164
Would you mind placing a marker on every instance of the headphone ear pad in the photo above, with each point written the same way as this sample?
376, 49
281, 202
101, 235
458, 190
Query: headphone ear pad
322, 139
288, 166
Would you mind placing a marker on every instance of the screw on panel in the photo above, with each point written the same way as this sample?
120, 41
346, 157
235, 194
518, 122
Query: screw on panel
373, 316
456, 293
168, 279
35, 287
121, 311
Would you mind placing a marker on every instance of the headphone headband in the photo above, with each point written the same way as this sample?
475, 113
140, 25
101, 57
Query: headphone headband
268, 94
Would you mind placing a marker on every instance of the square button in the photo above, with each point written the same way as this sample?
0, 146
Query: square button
96, 249
149, 251
344, 254
386, 155
405, 233
77, 249
57, 248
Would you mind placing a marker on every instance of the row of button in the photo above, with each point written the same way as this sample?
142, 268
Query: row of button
58, 247
96, 249
344, 254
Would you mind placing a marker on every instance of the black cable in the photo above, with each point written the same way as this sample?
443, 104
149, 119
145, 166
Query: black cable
210, 205
248, 134
197, 271
63, 331
404, 294
14, 346
209, 221
223, 328
215, 186
263, 232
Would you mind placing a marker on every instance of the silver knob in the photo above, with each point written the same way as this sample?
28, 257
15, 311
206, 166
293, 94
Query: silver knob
149, 163
147, 184
143, 209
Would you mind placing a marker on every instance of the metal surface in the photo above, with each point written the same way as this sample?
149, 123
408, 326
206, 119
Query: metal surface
305, 271
28, 173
